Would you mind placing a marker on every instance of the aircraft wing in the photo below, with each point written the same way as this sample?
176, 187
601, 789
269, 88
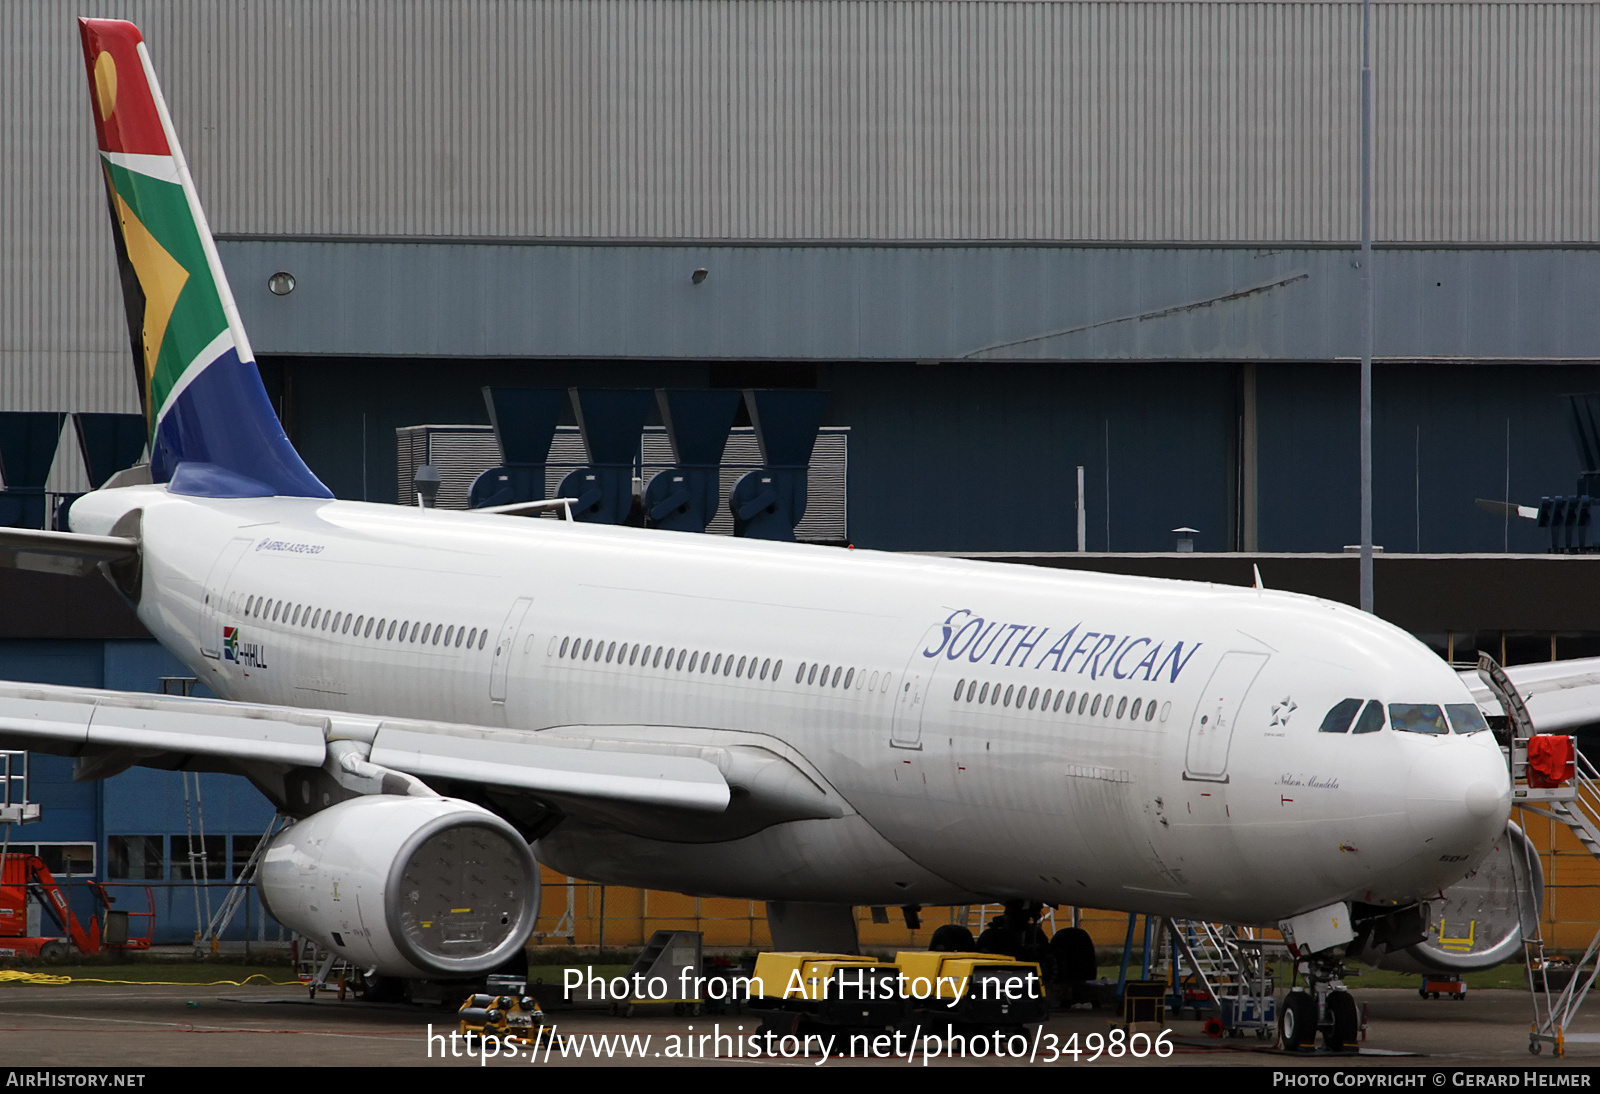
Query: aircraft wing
109, 731
1559, 695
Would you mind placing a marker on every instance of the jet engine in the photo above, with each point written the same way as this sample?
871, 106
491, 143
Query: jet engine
410, 886
1475, 925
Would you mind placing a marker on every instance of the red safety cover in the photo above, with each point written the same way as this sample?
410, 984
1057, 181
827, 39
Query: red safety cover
1551, 760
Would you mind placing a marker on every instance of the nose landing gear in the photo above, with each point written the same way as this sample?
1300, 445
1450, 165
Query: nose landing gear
1325, 1006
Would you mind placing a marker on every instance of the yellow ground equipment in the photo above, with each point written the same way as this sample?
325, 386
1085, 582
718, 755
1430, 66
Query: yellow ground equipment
510, 1015
826, 989
981, 989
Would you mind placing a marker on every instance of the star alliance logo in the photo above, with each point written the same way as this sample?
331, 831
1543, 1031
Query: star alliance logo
1281, 711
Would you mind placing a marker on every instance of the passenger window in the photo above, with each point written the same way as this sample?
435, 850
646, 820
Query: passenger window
1371, 719
777, 667
1466, 717
851, 675
1133, 714
1417, 718
983, 696
1095, 708
1338, 719
960, 687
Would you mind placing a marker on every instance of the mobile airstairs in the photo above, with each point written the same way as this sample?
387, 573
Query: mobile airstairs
1574, 801
1228, 968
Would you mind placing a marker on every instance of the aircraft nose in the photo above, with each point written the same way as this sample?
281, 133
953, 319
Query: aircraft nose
1458, 795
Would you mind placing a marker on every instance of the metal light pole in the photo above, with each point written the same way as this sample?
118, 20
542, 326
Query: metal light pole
1366, 305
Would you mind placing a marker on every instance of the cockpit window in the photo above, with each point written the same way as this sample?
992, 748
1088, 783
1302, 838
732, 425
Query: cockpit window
1466, 717
1371, 719
1338, 719
1418, 718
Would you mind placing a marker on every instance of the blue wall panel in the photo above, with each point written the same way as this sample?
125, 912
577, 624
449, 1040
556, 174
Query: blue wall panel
138, 802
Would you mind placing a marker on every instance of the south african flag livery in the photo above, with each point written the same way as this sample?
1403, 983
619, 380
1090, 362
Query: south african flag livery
212, 429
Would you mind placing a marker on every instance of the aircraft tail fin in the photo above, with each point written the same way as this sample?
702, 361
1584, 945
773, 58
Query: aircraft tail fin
212, 429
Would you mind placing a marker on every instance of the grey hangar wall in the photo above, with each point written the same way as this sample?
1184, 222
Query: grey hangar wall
1205, 386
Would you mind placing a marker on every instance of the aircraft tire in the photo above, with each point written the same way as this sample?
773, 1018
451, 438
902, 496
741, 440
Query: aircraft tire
1074, 954
1297, 1021
951, 938
1345, 1022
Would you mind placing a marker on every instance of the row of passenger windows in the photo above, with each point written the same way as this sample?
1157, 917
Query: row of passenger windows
365, 626
1404, 717
673, 658
1052, 701
715, 664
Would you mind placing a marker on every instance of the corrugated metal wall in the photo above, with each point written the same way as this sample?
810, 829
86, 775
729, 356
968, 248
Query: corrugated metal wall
805, 119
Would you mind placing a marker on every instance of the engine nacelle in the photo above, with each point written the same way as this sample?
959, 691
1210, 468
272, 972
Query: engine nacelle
409, 886
1476, 924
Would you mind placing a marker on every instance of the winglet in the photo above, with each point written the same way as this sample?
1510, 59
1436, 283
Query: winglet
204, 404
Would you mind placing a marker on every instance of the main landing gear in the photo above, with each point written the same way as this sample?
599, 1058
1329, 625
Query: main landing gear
1324, 1004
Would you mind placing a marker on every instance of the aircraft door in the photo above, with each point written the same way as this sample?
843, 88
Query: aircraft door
1211, 730
504, 644
910, 699
213, 599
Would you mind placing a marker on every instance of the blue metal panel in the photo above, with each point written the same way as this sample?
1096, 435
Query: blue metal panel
920, 302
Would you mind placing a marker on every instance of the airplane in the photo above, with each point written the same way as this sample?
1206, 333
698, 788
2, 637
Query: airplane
443, 701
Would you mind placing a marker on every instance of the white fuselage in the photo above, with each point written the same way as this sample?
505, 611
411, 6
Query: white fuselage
1225, 803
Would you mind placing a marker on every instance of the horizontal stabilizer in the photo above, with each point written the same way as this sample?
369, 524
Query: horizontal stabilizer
62, 552
1508, 509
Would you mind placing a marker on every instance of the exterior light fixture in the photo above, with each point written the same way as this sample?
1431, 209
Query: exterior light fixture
699, 275
281, 283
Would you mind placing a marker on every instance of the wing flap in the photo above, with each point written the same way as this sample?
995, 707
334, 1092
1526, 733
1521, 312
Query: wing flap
88, 718
505, 759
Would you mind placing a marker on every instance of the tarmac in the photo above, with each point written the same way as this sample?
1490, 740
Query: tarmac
129, 1026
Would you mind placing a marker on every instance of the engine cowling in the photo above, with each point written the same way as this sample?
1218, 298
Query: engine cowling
1476, 924
409, 886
